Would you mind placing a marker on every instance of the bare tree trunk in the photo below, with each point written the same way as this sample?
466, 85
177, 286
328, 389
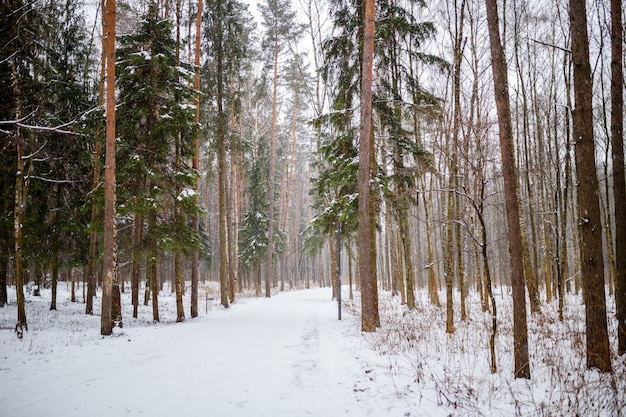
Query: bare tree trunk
95, 211
270, 234
433, 287
367, 272
509, 170
221, 169
110, 227
154, 281
179, 283
619, 180
18, 213
195, 257
592, 268
53, 284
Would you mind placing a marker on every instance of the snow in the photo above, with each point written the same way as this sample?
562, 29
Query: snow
186, 193
288, 356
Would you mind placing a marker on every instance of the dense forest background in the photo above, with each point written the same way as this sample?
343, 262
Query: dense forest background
237, 151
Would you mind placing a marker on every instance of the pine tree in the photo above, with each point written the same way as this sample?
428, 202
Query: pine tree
227, 30
396, 96
109, 264
281, 29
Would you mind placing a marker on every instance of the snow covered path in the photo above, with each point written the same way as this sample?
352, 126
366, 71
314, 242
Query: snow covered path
284, 356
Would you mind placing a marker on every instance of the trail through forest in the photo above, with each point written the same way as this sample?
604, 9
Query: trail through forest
284, 356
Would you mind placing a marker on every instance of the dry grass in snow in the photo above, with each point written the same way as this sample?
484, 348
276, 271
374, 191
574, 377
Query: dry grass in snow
423, 361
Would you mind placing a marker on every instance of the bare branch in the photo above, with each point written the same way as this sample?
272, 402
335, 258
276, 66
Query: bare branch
551, 45
53, 181
32, 155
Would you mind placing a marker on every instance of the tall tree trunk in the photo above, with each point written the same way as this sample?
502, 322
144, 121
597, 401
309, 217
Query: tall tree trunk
270, 234
231, 204
509, 170
195, 256
110, 226
367, 272
592, 268
18, 208
221, 166
95, 211
619, 179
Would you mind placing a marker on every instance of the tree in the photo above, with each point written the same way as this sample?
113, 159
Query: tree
66, 96
367, 247
589, 220
281, 29
22, 29
619, 177
227, 31
158, 133
109, 265
195, 261
509, 171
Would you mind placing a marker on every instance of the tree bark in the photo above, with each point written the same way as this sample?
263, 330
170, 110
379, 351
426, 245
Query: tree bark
367, 272
590, 226
110, 226
53, 284
619, 178
509, 171
221, 165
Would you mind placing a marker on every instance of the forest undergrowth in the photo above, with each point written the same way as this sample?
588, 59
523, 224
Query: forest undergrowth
421, 357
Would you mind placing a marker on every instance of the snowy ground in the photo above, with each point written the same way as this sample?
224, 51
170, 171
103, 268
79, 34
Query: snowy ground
289, 356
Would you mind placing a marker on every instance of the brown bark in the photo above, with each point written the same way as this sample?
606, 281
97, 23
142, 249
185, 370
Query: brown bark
619, 179
110, 226
509, 171
367, 272
590, 226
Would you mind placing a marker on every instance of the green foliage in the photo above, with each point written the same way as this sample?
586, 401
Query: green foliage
155, 123
253, 235
398, 96
45, 69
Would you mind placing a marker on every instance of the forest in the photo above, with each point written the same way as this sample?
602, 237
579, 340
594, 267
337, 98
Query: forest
440, 155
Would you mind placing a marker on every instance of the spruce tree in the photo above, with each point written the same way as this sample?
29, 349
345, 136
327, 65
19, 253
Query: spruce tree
157, 130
